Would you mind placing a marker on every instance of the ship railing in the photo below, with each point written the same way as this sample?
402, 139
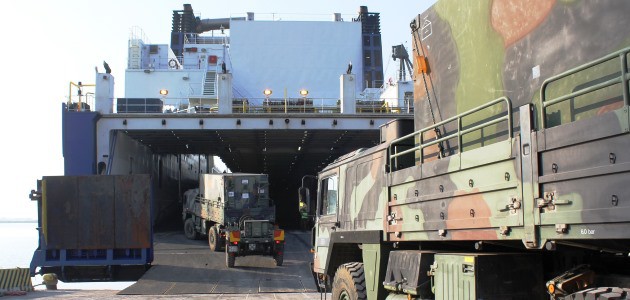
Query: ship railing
605, 78
203, 104
293, 17
137, 34
173, 63
384, 105
285, 105
414, 143
192, 38
80, 97
314, 105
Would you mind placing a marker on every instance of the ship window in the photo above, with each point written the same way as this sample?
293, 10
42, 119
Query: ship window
377, 40
366, 40
328, 197
377, 60
367, 60
153, 49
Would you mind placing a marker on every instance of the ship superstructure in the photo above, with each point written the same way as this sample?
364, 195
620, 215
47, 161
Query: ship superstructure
285, 57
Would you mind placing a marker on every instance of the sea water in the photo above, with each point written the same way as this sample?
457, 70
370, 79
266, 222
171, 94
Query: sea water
18, 241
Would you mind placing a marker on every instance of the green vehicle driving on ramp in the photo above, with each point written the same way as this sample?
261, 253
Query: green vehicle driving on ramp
234, 208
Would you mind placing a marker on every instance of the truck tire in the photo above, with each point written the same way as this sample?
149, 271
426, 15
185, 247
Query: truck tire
213, 239
349, 282
230, 259
220, 242
189, 230
279, 258
601, 293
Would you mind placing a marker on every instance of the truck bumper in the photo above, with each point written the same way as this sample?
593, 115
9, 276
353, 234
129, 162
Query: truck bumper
245, 248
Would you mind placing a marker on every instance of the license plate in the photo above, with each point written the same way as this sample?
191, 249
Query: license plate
232, 248
252, 247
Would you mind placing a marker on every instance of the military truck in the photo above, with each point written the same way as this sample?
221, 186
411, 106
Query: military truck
234, 208
512, 180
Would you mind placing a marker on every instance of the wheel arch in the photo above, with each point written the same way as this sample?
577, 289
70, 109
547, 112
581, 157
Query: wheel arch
346, 247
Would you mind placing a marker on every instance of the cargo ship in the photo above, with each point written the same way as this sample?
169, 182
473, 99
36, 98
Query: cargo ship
236, 94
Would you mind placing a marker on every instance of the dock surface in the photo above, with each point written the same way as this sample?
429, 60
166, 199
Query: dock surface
183, 266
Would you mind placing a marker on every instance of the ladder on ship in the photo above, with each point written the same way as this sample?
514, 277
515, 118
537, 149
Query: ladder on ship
210, 84
134, 54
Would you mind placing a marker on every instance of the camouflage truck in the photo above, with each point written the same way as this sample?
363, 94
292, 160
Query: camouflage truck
512, 181
234, 208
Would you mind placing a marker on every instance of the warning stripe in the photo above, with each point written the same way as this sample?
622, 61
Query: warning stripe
15, 279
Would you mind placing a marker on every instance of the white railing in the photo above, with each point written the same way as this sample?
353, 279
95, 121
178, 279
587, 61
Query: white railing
280, 106
280, 16
206, 40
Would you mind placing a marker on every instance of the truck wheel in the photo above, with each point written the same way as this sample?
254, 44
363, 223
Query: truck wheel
213, 239
279, 258
189, 229
601, 293
230, 259
220, 242
349, 282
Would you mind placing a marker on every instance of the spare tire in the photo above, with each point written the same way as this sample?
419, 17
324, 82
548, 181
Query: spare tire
241, 221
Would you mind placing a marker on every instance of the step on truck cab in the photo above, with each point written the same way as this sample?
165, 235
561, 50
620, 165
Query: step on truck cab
234, 208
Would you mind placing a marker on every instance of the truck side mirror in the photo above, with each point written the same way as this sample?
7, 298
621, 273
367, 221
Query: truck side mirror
303, 194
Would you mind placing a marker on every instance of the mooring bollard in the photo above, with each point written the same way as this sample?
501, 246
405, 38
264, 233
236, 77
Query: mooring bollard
50, 280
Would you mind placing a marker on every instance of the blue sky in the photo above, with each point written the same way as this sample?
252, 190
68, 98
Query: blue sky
47, 44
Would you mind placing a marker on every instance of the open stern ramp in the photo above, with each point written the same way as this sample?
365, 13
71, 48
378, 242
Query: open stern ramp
184, 266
